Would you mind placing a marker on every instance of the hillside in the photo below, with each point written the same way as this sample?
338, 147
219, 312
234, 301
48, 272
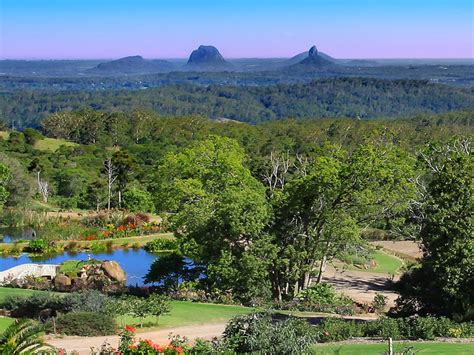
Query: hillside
345, 97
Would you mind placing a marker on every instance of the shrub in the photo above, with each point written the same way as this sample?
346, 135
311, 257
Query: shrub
383, 327
379, 302
137, 200
259, 332
85, 324
97, 247
88, 301
31, 306
161, 244
335, 329
37, 246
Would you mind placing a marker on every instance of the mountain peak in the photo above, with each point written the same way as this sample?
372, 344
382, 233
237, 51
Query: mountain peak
313, 52
207, 57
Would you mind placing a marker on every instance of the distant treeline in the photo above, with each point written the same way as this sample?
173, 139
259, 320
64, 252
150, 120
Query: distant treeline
360, 98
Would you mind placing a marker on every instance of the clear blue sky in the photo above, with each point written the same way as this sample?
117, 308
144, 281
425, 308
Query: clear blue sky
238, 28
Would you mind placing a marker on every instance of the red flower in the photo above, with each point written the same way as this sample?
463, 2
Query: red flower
131, 329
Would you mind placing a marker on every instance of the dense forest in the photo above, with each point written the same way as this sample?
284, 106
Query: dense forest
360, 98
262, 208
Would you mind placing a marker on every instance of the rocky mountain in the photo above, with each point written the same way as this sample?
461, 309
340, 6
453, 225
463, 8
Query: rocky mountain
315, 60
299, 57
133, 65
207, 58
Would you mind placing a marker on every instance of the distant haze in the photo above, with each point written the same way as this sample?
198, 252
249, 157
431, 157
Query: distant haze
55, 29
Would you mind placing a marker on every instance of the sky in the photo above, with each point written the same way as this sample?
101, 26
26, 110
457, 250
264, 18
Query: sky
88, 29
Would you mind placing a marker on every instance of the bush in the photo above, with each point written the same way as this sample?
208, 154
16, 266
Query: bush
161, 244
84, 324
336, 329
37, 246
259, 332
383, 327
136, 200
31, 306
88, 301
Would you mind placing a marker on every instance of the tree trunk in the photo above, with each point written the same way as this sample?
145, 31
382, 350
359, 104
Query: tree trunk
322, 268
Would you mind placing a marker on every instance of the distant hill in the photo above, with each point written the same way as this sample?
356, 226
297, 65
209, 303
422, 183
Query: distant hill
314, 61
133, 65
207, 58
302, 56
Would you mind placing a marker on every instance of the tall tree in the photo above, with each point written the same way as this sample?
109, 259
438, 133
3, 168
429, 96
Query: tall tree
218, 208
444, 284
323, 212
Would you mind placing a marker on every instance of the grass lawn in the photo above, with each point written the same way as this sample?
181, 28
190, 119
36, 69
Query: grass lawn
52, 144
186, 313
4, 323
7, 291
417, 348
386, 263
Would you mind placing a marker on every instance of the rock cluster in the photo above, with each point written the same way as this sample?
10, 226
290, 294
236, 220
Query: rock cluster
107, 276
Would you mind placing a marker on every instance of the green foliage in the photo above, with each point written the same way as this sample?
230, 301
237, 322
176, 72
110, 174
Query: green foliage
155, 305
32, 136
379, 302
426, 328
259, 333
37, 245
443, 283
136, 200
218, 206
23, 336
84, 324
161, 244
4, 179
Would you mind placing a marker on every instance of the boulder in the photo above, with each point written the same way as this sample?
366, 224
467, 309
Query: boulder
62, 281
114, 271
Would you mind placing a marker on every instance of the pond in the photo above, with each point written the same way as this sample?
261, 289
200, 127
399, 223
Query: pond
15, 234
136, 263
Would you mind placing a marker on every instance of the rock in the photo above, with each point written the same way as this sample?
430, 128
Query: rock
208, 58
62, 281
313, 52
114, 271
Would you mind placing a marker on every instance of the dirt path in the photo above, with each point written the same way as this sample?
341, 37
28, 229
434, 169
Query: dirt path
83, 345
361, 286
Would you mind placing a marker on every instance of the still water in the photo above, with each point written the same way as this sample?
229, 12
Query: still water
136, 263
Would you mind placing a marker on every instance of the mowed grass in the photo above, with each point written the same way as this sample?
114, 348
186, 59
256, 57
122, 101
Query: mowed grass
7, 291
417, 348
4, 323
386, 263
188, 313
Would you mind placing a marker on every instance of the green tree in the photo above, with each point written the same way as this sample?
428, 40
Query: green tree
125, 166
4, 179
137, 200
444, 283
217, 206
322, 213
32, 136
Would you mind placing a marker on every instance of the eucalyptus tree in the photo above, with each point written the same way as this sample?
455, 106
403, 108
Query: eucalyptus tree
322, 213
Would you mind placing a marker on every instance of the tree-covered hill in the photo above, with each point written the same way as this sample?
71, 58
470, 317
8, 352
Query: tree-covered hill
362, 98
